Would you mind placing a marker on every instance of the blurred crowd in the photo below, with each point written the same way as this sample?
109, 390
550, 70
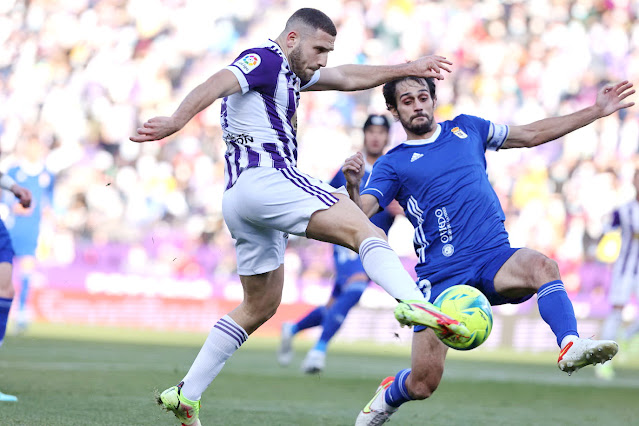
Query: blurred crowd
81, 75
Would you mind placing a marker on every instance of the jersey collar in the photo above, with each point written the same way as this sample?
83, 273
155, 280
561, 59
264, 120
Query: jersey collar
426, 141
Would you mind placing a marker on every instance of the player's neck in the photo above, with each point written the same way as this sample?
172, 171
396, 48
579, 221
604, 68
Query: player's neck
414, 137
281, 42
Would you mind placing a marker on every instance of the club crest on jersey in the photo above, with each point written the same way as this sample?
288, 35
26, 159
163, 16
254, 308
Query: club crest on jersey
459, 133
248, 62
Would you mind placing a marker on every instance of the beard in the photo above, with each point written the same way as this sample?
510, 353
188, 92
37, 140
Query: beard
419, 128
297, 64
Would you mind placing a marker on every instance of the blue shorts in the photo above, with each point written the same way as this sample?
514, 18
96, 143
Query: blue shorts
480, 273
347, 264
6, 249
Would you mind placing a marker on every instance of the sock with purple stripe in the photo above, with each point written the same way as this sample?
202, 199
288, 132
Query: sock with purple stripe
556, 310
312, 319
225, 338
397, 394
5, 305
384, 267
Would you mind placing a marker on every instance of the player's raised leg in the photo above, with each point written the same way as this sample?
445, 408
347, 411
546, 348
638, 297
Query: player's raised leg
345, 224
419, 382
528, 272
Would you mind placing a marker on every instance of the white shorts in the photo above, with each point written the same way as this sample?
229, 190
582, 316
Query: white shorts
264, 206
622, 287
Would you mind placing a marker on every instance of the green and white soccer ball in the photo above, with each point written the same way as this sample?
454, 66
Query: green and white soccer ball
470, 307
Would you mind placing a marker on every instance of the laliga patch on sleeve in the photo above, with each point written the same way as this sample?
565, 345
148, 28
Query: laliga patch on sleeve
248, 62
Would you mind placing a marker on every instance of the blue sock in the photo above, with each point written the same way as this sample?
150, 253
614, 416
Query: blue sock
397, 394
336, 314
5, 305
312, 319
24, 291
556, 309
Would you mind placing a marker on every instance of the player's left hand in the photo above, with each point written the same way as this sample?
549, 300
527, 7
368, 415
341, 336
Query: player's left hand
430, 66
22, 194
610, 97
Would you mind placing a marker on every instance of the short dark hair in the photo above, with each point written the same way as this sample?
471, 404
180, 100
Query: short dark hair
390, 89
313, 18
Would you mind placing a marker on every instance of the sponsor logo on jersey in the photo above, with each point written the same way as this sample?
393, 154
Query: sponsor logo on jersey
443, 226
416, 156
248, 62
459, 133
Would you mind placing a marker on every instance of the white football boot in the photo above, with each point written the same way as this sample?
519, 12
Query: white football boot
315, 362
582, 352
377, 412
285, 353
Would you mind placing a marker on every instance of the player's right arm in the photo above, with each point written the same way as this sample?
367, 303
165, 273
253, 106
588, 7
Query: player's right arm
353, 170
22, 194
221, 84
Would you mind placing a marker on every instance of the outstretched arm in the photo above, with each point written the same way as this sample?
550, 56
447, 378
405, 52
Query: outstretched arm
361, 77
353, 170
221, 84
609, 100
22, 194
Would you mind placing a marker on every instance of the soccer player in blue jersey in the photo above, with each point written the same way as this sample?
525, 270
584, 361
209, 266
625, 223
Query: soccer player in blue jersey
267, 197
350, 277
22, 223
439, 177
6, 261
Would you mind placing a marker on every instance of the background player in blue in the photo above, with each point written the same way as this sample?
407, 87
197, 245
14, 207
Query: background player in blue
6, 259
22, 223
350, 278
439, 177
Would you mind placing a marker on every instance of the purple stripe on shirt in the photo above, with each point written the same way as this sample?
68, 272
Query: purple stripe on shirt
253, 158
277, 124
278, 160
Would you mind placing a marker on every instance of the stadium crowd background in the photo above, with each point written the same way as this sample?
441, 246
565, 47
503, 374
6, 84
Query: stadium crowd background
80, 75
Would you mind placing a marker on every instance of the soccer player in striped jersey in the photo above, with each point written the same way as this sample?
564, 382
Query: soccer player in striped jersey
625, 274
6, 263
350, 277
439, 177
267, 197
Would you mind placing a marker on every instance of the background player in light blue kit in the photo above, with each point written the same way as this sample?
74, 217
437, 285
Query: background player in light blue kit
6, 259
22, 223
350, 278
439, 177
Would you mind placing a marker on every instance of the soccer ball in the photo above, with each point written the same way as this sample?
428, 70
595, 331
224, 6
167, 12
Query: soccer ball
470, 307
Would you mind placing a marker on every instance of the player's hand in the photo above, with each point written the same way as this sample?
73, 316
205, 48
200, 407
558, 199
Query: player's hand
155, 129
353, 169
610, 97
430, 66
23, 195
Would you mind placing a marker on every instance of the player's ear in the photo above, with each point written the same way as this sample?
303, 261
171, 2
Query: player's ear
292, 39
393, 111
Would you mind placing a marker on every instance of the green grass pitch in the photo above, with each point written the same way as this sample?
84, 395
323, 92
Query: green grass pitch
65, 375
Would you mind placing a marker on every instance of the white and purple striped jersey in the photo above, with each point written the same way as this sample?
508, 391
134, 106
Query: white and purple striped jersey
259, 123
626, 218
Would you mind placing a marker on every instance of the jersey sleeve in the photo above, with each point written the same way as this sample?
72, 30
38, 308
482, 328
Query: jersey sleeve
338, 180
312, 81
493, 135
383, 183
256, 69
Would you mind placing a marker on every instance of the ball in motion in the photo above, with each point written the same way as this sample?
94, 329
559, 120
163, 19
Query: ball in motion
470, 307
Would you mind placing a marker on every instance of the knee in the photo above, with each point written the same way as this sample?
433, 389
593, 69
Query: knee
263, 310
544, 270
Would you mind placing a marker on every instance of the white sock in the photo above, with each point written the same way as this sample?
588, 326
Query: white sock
568, 339
384, 267
224, 339
611, 325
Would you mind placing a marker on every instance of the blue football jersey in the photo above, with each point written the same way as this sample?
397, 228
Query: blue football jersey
347, 262
24, 227
444, 189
